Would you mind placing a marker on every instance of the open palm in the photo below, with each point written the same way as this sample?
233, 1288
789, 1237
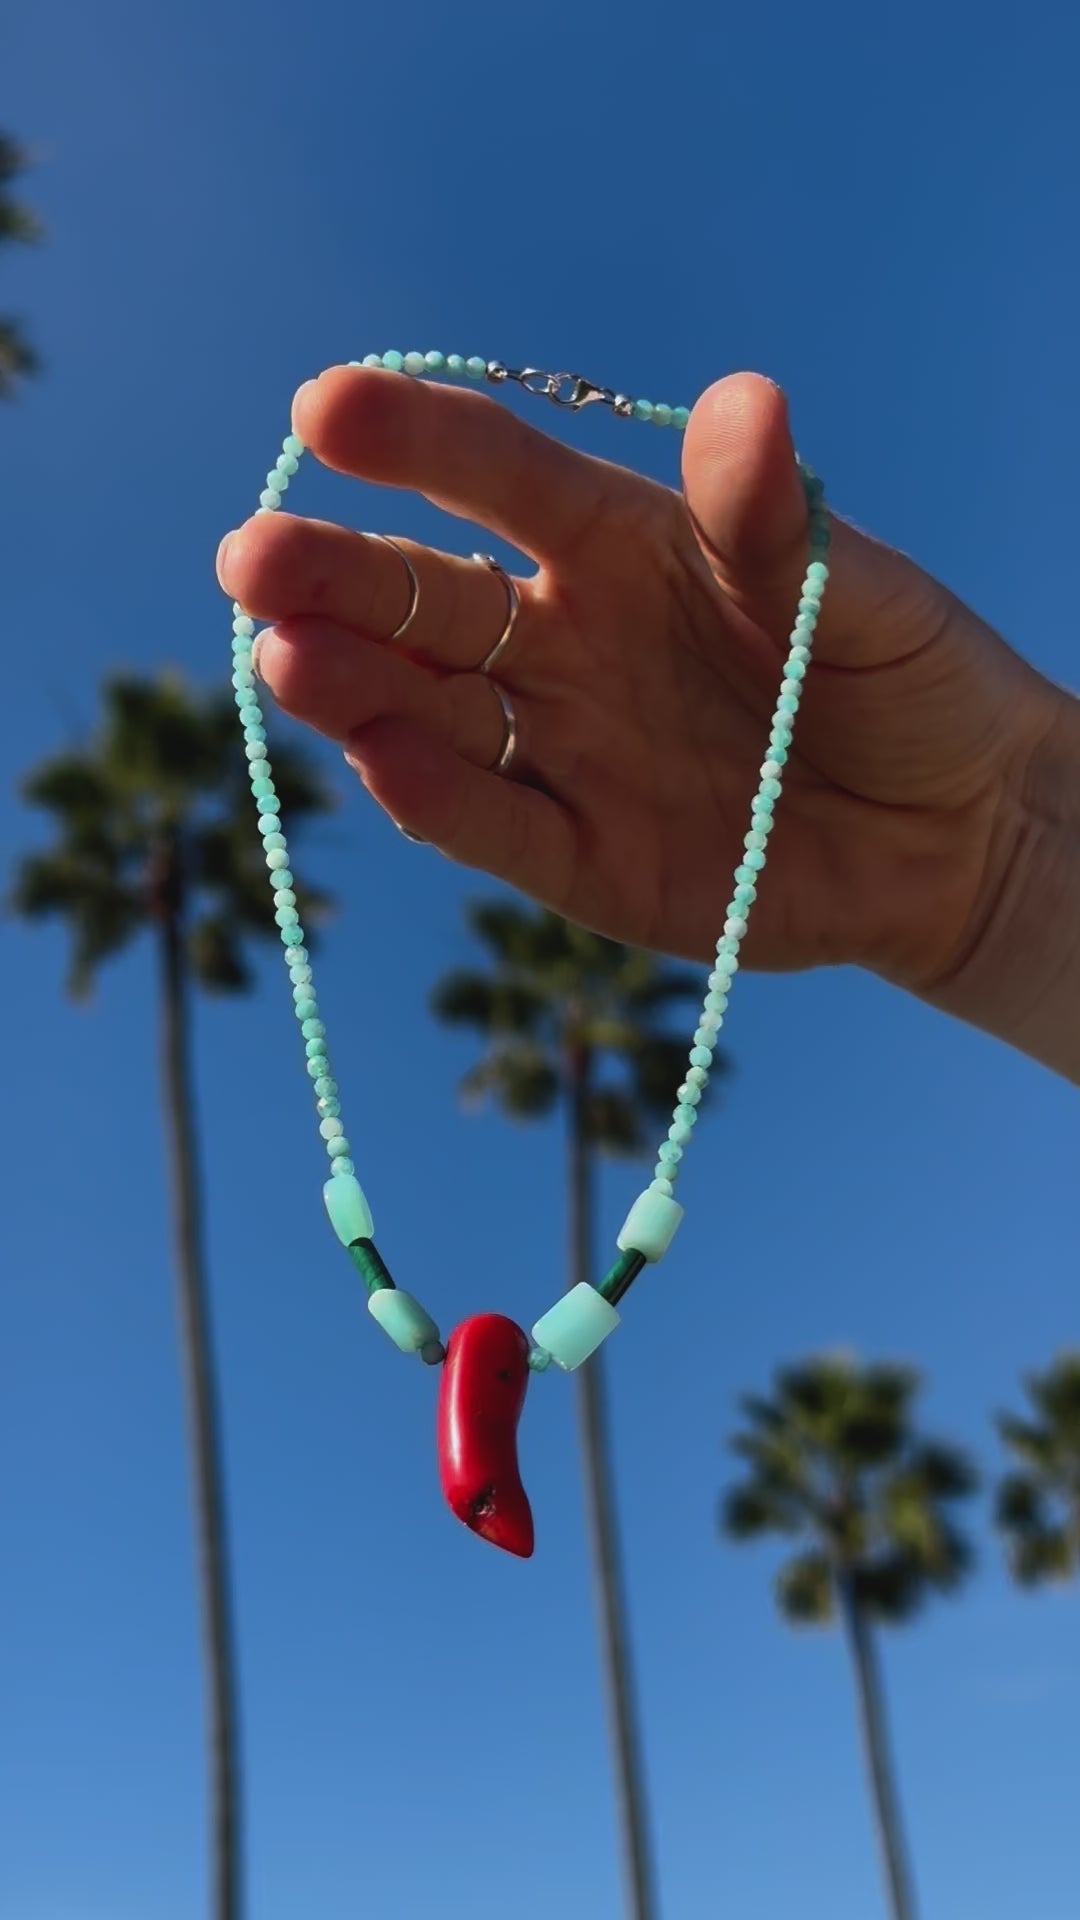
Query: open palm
643, 670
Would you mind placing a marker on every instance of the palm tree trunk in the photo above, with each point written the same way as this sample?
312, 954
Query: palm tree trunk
202, 1415
879, 1766
603, 1533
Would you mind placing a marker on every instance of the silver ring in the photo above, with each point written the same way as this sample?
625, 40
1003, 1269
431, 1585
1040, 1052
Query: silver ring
414, 585
503, 641
510, 736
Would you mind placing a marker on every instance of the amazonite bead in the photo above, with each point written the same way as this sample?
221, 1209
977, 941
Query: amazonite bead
688, 1094
575, 1326
455, 364
371, 360
651, 1225
276, 482
539, 1359
643, 410
435, 362
770, 786
338, 1148
680, 417
350, 1215
679, 1132
408, 1324
744, 874
755, 860
393, 361
701, 1057
243, 623
414, 363
277, 859
475, 367
787, 703
293, 444
817, 572
661, 415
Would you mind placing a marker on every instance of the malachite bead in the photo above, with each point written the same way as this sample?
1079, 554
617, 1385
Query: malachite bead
575, 1326
407, 1323
651, 1224
475, 367
346, 1204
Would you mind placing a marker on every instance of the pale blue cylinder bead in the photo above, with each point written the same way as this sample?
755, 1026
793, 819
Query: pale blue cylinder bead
408, 1324
575, 1326
651, 1225
350, 1215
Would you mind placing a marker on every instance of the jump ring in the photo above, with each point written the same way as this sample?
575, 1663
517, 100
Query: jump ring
510, 735
414, 585
514, 598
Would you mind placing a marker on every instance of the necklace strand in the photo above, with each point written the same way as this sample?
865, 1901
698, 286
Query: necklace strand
580, 1320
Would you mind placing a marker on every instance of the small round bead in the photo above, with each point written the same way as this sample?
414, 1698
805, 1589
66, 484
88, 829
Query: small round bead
770, 770
698, 1073
270, 498
744, 873
393, 361
306, 1008
287, 463
705, 1034
689, 1094
745, 893
716, 1000
701, 1057
771, 788
317, 1066
455, 364
661, 1184
256, 749
343, 1166
787, 703
669, 1152
327, 1087
414, 363
276, 482
661, 415
435, 362
315, 1048
643, 409
794, 668
734, 928
243, 623
274, 841
330, 1128
753, 839
268, 823
788, 685
250, 714
475, 367
277, 858
286, 916
271, 803
539, 1359
292, 936
817, 571
686, 1113
678, 1133
680, 417
371, 360
293, 444
329, 1109
339, 1147
299, 963
313, 1028
764, 805
667, 1171
755, 859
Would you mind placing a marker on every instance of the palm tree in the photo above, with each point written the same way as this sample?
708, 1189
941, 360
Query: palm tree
833, 1463
153, 833
570, 1020
1038, 1504
17, 357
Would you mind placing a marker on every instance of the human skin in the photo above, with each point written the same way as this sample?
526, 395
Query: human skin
929, 829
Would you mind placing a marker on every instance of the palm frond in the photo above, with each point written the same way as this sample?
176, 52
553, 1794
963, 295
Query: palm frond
804, 1591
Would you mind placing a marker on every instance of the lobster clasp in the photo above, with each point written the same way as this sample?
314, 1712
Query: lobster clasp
570, 391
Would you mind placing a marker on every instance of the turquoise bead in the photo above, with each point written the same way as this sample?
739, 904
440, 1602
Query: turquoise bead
787, 703
435, 362
350, 1215
661, 416
643, 409
575, 1326
414, 363
393, 361
475, 367
680, 417
755, 860
407, 1323
455, 364
651, 1224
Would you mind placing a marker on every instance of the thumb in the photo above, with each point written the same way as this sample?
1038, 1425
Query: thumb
746, 498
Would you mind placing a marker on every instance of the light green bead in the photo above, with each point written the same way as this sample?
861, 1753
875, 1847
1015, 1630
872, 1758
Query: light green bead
372, 360
435, 362
414, 363
350, 1215
455, 364
243, 624
293, 444
643, 410
787, 703
393, 361
475, 367
680, 417
276, 482
755, 860
661, 415
651, 1224
575, 1326
270, 498
408, 1324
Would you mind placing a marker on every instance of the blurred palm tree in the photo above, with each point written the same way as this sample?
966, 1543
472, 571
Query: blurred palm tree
834, 1463
1038, 1504
153, 834
17, 357
572, 1021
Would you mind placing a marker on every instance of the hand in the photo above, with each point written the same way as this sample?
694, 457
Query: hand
643, 669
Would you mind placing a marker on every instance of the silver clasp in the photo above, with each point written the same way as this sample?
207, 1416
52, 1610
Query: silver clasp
569, 390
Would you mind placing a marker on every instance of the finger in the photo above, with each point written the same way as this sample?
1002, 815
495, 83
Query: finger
748, 508
478, 819
336, 682
460, 450
281, 568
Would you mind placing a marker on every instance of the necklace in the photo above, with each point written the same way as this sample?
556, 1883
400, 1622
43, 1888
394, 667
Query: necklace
486, 1362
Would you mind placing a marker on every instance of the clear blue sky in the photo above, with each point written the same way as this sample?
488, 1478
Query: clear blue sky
879, 209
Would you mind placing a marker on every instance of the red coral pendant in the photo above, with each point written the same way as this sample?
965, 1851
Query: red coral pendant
481, 1394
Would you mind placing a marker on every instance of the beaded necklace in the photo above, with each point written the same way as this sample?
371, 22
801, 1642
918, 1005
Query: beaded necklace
487, 1360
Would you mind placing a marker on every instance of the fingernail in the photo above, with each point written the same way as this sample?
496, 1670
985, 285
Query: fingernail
223, 550
256, 649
